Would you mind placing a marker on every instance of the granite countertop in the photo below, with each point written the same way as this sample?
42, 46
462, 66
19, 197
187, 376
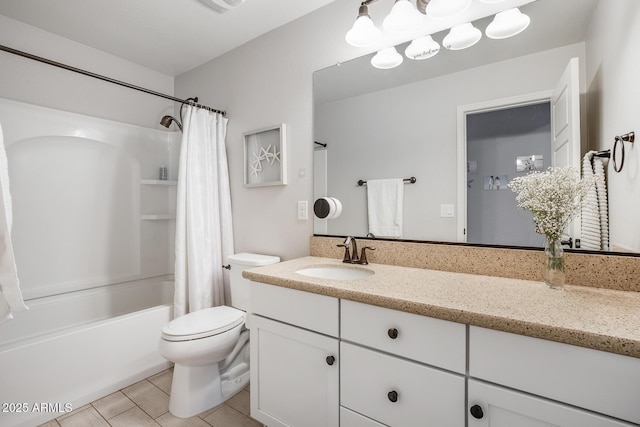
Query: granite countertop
589, 317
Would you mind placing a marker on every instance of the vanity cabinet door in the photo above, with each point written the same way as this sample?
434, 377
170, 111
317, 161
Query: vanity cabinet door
494, 406
398, 392
294, 375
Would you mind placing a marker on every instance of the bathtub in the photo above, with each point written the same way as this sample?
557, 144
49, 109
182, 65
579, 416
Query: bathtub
99, 341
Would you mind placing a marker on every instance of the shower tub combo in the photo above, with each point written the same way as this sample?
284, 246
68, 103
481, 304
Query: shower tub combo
93, 240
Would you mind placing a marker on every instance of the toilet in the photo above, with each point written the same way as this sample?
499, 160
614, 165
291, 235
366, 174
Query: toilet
210, 347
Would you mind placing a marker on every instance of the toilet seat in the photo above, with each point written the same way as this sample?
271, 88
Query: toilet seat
203, 323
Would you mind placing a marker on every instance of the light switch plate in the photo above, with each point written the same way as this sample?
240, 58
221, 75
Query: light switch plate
447, 211
303, 210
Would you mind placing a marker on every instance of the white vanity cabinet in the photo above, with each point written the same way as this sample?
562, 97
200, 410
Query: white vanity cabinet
539, 383
495, 406
329, 362
294, 357
392, 367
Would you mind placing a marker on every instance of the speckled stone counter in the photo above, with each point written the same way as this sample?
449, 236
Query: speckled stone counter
582, 268
601, 319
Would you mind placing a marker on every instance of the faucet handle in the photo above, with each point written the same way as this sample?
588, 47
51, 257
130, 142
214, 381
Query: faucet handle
363, 255
347, 256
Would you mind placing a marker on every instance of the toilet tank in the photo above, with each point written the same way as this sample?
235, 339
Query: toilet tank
238, 284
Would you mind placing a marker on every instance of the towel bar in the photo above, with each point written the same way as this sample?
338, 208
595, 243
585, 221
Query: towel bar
411, 180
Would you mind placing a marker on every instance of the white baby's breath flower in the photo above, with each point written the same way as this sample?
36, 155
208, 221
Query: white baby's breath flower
554, 197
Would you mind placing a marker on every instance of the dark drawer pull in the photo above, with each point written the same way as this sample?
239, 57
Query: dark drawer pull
476, 411
393, 333
393, 396
330, 360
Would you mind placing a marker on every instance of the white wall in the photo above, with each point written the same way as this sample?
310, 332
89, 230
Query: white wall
29, 81
265, 82
613, 109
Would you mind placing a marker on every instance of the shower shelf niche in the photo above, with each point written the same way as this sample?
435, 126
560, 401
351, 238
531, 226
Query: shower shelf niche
157, 217
157, 200
158, 182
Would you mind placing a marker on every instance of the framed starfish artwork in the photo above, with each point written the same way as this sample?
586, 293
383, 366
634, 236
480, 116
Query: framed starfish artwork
265, 157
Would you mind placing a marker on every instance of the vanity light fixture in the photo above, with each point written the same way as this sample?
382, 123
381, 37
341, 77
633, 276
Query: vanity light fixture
507, 24
403, 17
462, 36
422, 48
446, 8
363, 32
386, 58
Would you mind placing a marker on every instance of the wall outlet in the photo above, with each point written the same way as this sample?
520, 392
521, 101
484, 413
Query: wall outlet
447, 211
303, 210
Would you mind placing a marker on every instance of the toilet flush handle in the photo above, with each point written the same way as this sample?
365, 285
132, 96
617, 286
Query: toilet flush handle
228, 266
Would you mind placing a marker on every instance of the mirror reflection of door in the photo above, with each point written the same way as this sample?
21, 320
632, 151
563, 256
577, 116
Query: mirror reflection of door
506, 139
496, 140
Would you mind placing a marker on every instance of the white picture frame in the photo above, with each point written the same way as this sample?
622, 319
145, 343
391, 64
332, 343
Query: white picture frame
265, 158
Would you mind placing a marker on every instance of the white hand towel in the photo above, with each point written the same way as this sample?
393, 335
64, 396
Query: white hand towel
385, 207
10, 295
595, 207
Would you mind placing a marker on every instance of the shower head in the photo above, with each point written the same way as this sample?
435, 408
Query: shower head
166, 122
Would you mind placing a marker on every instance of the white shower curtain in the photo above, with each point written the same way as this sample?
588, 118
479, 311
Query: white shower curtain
204, 229
10, 294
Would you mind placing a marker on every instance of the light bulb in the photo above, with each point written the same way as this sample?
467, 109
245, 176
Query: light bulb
387, 58
363, 32
403, 17
507, 24
447, 8
422, 48
462, 36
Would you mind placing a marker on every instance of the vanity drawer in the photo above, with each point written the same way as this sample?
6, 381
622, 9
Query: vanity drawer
398, 392
352, 419
596, 380
315, 312
432, 341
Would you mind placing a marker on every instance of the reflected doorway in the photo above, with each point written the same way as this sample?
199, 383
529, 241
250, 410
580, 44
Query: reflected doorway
502, 144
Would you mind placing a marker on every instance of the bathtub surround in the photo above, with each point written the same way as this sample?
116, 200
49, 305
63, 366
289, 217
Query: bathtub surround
204, 230
93, 237
616, 272
10, 295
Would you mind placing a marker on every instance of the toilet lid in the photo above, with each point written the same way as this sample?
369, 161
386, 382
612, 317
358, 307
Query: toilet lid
203, 323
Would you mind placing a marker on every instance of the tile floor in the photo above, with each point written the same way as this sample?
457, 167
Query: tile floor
146, 403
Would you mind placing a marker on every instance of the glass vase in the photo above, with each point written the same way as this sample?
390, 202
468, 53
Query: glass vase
554, 271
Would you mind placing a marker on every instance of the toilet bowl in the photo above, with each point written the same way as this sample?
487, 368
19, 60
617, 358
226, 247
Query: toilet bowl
210, 347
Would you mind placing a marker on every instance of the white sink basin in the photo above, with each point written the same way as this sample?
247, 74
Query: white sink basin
335, 272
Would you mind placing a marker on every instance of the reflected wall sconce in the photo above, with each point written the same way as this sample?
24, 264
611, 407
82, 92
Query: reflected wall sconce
462, 36
405, 17
387, 58
507, 24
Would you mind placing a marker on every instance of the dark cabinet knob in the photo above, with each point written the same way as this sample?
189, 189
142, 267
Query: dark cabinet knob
393, 333
476, 411
330, 360
393, 396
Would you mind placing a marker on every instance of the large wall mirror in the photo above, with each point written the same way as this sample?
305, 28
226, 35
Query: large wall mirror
407, 122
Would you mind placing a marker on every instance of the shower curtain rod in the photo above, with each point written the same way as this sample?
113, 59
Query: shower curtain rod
104, 78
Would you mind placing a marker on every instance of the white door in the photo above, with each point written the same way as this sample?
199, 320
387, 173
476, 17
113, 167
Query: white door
493, 406
294, 376
565, 126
